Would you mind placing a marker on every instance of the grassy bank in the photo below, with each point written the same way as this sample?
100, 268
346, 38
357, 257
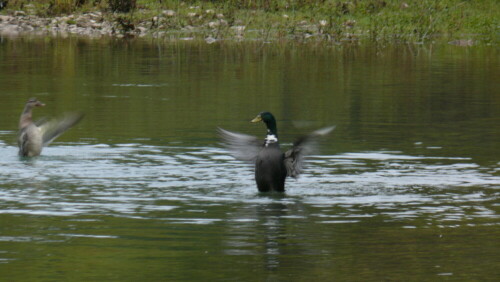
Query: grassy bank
332, 20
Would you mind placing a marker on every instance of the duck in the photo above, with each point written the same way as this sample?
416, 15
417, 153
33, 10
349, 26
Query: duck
272, 166
33, 136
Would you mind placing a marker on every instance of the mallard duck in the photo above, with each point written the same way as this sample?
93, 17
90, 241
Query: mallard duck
272, 166
33, 136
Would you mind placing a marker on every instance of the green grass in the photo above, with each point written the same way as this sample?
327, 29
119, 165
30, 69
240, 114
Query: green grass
333, 20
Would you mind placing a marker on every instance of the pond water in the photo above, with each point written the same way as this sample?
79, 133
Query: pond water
405, 188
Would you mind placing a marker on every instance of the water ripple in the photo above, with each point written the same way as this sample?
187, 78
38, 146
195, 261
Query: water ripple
145, 181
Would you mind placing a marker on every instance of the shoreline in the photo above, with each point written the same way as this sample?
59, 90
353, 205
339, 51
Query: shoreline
214, 25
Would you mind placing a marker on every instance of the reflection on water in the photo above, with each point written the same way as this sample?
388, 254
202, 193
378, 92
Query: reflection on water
406, 186
132, 179
77, 187
74, 188
203, 186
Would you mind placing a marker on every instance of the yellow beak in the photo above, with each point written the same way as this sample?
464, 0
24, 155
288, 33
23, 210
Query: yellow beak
256, 119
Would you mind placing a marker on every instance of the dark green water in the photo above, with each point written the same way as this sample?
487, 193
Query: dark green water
405, 189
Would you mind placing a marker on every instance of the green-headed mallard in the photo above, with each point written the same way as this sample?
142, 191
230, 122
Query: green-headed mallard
33, 136
272, 166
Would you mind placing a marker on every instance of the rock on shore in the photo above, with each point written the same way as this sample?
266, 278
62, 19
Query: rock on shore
91, 24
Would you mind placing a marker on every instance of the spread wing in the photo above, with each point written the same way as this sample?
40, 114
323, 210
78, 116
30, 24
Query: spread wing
41, 121
241, 146
294, 158
52, 129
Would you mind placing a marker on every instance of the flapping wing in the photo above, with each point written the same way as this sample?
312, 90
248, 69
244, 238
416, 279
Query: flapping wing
241, 146
53, 128
41, 121
294, 158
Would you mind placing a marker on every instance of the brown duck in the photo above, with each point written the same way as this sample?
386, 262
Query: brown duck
33, 136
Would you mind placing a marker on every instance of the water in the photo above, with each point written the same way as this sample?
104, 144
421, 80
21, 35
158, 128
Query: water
405, 188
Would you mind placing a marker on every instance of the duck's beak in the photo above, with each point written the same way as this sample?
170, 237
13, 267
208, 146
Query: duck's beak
40, 104
257, 119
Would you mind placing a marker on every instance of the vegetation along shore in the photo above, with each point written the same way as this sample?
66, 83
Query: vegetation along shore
459, 22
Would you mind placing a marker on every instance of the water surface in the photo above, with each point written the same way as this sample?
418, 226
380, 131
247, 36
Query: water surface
405, 188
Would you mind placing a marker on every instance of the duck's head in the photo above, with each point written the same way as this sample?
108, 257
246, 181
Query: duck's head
269, 120
33, 102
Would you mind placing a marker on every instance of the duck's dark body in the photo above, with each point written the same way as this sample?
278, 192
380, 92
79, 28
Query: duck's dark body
272, 166
270, 170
